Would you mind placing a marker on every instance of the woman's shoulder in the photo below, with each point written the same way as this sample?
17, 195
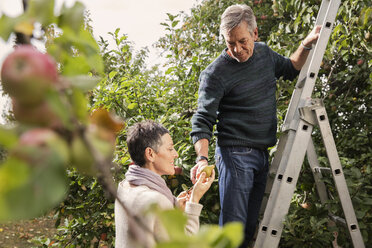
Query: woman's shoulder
142, 195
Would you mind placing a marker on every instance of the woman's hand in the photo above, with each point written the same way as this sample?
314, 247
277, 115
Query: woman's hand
201, 186
182, 198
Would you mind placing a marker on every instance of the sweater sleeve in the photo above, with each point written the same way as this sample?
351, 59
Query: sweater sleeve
192, 210
283, 66
211, 92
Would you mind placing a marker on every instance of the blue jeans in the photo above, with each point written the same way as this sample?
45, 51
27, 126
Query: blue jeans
242, 180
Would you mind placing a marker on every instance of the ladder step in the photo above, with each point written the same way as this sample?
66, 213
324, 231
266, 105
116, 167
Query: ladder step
320, 169
338, 220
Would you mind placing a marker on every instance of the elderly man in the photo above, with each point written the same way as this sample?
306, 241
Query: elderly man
237, 91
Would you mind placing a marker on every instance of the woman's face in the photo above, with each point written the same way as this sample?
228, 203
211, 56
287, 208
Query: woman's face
163, 159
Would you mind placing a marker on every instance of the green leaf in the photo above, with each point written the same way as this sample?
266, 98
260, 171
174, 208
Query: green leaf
78, 53
132, 105
13, 173
210, 233
72, 17
84, 82
59, 108
174, 222
179, 244
8, 137
79, 105
175, 23
112, 74
234, 232
366, 16
35, 191
6, 26
76, 66
42, 11
169, 70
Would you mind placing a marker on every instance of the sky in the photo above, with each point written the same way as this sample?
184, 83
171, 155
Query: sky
139, 19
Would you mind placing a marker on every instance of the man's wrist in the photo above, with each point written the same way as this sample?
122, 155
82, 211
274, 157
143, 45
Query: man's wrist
199, 158
306, 47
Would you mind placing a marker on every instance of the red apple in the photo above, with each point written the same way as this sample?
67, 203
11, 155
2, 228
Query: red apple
178, 170
27, 74
360, 62
40, 146
103, 236
40, 115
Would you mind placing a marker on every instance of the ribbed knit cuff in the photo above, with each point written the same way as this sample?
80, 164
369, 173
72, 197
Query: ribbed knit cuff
193, 208
197, 136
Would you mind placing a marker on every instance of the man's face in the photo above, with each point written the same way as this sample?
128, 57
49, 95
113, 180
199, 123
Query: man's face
240, 42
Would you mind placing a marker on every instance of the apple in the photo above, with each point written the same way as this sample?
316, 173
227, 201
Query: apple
367, 36
305, 205
103, 236
174, 183
40, 146
208, 170
177, 170
40, 115
27, 74
360, 62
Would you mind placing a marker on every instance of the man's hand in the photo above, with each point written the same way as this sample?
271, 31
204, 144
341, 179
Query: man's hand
312, 36
195, 171
201, 186
298, 58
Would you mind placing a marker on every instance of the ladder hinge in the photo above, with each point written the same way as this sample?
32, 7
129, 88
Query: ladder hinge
306, 112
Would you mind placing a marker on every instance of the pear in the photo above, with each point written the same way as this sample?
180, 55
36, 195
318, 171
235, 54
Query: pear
208, 170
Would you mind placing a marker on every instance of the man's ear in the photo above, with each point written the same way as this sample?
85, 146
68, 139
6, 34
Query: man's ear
255, 34
149, 154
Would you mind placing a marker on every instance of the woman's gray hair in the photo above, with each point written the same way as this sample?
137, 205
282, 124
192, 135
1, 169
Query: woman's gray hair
234, 15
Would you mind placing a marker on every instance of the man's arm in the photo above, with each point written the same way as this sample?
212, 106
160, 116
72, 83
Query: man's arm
298, 58
201, 149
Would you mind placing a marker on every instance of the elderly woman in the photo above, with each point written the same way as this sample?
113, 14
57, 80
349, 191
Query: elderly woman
152, 151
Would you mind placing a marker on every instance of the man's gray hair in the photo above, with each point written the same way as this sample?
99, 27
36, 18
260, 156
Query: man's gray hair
234, 15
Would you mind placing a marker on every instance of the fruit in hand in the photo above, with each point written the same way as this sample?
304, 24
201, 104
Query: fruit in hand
208, 170
27, 74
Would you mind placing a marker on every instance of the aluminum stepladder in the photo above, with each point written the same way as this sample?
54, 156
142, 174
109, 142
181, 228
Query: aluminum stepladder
302, 115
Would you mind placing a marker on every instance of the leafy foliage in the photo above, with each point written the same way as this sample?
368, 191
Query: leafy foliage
168, 94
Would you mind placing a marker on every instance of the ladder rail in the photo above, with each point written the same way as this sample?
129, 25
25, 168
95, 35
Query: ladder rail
291, 119
339, 178
295, 142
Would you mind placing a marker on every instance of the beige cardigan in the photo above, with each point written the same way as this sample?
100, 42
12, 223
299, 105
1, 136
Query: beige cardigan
138, 199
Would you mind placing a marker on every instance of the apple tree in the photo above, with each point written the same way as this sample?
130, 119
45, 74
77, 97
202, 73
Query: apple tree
193, 41
52, 131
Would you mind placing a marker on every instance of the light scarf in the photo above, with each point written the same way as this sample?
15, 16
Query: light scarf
137, 175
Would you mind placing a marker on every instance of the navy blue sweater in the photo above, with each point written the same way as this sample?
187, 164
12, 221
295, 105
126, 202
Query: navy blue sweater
240, 98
